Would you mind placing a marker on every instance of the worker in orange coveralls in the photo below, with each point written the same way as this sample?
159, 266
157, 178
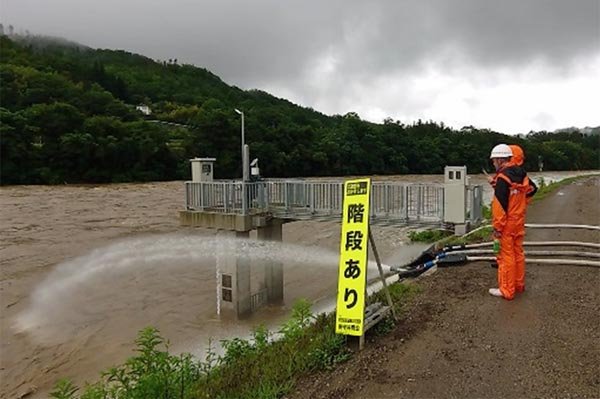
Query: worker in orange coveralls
511, 187
518, 159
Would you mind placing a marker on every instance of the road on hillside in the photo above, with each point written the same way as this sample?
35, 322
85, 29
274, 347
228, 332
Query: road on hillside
456, 341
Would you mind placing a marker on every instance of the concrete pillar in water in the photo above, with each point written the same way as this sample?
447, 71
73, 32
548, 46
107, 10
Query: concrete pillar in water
244, 307
273, 269
233, 274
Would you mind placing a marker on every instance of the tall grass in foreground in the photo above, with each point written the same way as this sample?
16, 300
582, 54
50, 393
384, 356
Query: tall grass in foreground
260, 367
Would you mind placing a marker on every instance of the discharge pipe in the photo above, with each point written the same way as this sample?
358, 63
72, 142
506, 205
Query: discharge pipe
536, 253
543, 226
562, 226
564, 262
455, 255
450, 248
458, 259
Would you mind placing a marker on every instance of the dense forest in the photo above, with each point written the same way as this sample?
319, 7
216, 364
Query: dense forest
68, 115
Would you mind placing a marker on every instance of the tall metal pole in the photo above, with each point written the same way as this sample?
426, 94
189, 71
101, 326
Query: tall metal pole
244, 160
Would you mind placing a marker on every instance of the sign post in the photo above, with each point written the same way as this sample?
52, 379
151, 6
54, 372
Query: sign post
352, 275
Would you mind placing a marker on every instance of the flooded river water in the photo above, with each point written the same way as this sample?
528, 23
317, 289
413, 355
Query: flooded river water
84, 268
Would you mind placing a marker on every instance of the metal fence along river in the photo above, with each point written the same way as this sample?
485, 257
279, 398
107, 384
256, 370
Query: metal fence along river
391, 202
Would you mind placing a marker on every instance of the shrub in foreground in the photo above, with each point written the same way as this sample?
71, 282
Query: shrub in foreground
264, 366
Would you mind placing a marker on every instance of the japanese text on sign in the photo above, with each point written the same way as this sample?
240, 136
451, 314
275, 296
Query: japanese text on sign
353, 258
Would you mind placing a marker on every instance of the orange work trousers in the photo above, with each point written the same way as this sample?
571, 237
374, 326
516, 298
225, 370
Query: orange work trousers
519, 261
511, 264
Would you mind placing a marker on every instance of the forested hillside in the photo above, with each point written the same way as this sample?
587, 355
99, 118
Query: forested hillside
68, 115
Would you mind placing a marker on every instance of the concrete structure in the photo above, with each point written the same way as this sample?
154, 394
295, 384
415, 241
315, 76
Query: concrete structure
217, 220
233, 278
455, 198
202, 169
235, 294
237, 207
273, 231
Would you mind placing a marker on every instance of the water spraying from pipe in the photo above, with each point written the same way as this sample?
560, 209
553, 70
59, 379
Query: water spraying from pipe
165, 279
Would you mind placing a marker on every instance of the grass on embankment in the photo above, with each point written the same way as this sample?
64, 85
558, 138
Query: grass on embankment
260, 367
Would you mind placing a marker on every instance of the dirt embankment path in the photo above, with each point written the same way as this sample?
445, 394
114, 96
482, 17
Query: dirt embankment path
459, 342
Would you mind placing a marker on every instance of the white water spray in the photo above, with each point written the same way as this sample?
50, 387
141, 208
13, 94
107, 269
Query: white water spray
159, 275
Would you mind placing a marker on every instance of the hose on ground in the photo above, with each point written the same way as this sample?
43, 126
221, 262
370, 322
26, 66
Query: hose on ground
455, 255
526, 243
542, 226
534, 253
562, 262
561, 226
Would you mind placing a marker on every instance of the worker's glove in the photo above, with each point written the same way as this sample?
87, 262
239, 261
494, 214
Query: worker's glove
496, 234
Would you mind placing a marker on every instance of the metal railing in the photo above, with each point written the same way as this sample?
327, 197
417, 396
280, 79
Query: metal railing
258, 299
391, 202
226, 197
475, 203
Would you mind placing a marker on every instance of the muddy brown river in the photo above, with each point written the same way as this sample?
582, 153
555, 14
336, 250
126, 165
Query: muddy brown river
84, 268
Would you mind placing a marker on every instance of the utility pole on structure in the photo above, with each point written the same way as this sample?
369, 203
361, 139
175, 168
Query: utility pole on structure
244, 158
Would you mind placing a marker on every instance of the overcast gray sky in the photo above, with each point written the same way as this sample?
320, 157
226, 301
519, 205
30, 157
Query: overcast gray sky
509, 65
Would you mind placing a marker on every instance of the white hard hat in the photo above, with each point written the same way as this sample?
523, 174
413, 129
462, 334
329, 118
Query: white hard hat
501, 151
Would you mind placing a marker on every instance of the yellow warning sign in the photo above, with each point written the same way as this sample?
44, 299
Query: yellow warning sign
352, 277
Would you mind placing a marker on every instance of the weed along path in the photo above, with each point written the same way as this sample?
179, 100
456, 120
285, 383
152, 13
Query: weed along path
457, 341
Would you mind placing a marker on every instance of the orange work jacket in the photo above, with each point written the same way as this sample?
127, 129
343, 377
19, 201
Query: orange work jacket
517, 160
509, 203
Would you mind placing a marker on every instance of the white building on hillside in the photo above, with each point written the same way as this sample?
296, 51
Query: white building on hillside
144, 109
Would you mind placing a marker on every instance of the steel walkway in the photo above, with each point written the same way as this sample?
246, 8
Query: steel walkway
297, 199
